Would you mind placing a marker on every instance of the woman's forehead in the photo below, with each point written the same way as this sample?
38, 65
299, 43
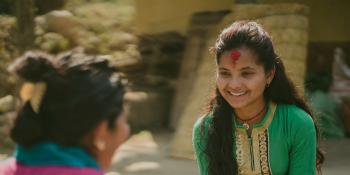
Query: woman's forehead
240, 52
239, 57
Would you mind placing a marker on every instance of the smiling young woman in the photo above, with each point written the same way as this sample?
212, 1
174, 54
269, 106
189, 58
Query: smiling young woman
257, 122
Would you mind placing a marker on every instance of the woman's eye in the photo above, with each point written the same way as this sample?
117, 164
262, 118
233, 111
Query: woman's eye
247, 74
224, 74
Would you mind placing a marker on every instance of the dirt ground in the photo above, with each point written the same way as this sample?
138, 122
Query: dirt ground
146, 153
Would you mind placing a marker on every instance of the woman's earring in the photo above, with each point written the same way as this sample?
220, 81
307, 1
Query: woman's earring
268, 85
100, 145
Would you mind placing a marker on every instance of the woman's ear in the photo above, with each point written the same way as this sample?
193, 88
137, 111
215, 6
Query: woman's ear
270, 75
99, 135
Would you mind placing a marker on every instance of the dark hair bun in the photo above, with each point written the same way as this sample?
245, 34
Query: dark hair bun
33, 66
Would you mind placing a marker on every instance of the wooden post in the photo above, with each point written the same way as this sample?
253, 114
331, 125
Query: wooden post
24, 10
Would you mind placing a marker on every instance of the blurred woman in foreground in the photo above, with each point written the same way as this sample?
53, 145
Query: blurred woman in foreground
72, 117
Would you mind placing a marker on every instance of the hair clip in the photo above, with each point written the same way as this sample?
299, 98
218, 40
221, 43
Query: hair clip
33, 92
235, 54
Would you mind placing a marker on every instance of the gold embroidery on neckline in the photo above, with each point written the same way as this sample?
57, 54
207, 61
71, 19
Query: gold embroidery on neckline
260, 144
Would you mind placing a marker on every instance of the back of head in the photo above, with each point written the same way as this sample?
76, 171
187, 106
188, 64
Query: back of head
80, 92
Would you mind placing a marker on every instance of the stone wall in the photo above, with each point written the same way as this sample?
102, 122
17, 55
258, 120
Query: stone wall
328, 19
7, 52
103, 28
7, 116
153, 80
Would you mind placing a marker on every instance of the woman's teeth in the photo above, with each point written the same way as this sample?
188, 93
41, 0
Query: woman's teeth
237, 94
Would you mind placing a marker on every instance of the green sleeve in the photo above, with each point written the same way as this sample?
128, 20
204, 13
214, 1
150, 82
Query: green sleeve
199, 140
303, 144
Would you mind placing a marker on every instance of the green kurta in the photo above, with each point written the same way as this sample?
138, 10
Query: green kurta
284, 142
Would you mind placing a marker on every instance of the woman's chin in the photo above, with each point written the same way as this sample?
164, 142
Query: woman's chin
237, 105
237, 102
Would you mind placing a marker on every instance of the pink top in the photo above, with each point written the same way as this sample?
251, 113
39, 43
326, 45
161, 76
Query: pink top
11, 167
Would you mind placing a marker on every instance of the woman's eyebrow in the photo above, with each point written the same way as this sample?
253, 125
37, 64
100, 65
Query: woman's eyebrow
247, 68
223, 68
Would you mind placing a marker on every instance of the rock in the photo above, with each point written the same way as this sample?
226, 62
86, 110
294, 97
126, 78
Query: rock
118, 40
101, 28
40, 25
103, 16
6, 123
89, 41
52, 42
8, 51
64, 23
7, 104
123, 59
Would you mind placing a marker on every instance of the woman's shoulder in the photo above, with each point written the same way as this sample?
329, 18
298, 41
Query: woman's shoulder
203, 121
201, 126
294, 115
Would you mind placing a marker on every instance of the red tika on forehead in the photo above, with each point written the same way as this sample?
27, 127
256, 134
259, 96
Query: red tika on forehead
234, 56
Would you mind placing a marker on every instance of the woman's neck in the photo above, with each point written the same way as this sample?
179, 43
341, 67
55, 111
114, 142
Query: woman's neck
251, 111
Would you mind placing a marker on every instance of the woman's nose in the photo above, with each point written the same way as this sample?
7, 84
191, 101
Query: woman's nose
235, 83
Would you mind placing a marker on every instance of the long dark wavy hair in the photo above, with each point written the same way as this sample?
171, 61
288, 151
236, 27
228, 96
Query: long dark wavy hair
81, 92
281, 91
